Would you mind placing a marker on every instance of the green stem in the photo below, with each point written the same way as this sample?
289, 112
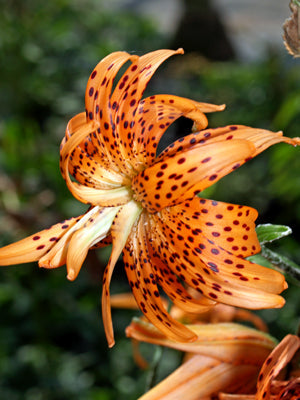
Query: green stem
151, 380
282, 262
152, 376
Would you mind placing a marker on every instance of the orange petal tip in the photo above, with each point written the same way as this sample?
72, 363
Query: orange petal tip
71, 275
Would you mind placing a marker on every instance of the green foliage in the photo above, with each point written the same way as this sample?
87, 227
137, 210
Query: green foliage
268, 232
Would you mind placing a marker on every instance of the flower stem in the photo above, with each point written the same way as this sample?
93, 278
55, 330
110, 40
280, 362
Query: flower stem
283, 263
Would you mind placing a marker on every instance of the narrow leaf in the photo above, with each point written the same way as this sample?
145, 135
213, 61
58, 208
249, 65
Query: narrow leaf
269, 233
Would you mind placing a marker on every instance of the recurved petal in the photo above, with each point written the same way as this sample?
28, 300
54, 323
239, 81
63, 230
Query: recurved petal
276, 361
141, 276
226, 342
154, 115
261, 138
227, 263
87, 163
230, 226
102, 108
174, 289
128, 92
200, 378
35, 246
121, 228
213, 271
86, 194
96, 228
188, 172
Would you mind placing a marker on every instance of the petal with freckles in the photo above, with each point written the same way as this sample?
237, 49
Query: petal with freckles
261, 138
109, 197
100, 108
276, 361
182, 176
214, 272
86, 166
57, 255
218, 260
154, 115
127, 95
230, 226
35, 246
140, 273
120, 230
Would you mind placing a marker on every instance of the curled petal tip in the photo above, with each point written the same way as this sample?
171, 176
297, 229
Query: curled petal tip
180, 50
281, 302
71, 275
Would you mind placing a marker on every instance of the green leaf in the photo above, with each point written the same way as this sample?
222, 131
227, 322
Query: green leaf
268, 232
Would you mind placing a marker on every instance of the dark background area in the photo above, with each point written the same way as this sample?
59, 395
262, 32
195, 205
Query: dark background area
52, 344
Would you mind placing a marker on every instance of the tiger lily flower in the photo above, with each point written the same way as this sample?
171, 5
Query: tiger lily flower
146, 205
225, 358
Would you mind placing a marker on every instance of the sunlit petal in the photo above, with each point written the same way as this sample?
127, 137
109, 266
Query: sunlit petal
94, 230
203, 266
154, 115
35, 246
121, 228
159, 186
261, 138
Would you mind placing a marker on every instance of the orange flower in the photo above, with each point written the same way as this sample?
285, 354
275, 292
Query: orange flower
225, 357
227, 361
145, 204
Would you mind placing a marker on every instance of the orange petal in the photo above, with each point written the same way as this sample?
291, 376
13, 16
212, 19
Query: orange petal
141, 277
123, 300
200, 378
261, 138
154, 115
214, 272
186, 173
230, 226
86, 164
57, 255
276, 361
35, 246
109, 197
96, 228
220, 261
121, 228
127, 94
99, 107
226, 342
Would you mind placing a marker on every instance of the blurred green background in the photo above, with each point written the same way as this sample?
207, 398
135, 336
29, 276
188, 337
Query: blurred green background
52, 345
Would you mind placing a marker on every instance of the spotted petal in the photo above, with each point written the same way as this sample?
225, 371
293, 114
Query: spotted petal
261, 138
186, 173
153, 117
276, 361
35, 246
139, 270
210, 269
